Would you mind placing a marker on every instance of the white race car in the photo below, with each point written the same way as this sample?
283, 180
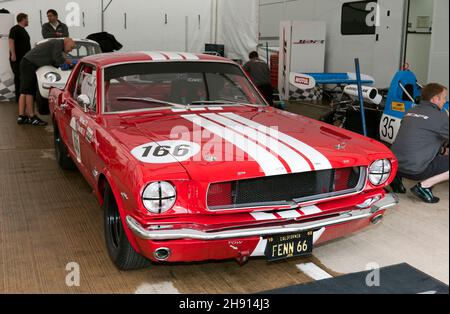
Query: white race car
50, 76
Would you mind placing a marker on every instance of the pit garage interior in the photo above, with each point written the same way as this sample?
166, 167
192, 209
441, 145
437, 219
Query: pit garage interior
50, 219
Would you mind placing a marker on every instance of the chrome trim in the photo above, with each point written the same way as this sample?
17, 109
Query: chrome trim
377, 219
47, 85
168, 251
388, 201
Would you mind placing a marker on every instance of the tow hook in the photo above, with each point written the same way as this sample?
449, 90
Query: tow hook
243, 257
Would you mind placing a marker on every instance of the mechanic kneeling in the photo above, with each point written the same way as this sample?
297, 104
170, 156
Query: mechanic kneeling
420, 143
50, 52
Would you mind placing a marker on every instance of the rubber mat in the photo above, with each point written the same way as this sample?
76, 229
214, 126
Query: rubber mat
396, 279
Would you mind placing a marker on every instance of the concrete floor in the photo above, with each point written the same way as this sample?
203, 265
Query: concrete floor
50, 218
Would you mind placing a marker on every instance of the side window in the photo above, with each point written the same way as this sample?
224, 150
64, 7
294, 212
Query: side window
87, 85
359, 18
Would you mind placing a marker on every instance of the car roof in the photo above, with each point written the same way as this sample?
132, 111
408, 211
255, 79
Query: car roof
77, 40
114, 58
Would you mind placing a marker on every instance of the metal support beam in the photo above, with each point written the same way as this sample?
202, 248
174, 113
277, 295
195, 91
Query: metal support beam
103, 12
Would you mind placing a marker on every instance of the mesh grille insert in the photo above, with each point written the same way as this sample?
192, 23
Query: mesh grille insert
285, 188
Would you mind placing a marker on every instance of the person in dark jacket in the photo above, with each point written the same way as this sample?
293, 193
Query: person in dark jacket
54, 28
260, 75
47, 53
19, 45
420, 145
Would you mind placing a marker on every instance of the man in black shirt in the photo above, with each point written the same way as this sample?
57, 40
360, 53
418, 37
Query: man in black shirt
54, 28
19, 45
47, 53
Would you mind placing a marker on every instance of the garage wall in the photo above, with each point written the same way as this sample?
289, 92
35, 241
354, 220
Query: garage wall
419, 38
177, 25
160, 24
439, 63
238, 27
419, 8
37, 10
341, 50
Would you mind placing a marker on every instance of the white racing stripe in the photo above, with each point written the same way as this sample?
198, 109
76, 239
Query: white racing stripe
172, 55
289, 214
156, 56
310, 210
263, 216
319, 161
295, 161
317, 234
260, 248
269, 164
189, 56
313, 271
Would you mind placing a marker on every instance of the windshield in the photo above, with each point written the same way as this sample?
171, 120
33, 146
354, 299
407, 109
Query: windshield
84, 49
155, 85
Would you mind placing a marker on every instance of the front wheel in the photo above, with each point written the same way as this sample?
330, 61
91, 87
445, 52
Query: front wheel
119, 248
61, 153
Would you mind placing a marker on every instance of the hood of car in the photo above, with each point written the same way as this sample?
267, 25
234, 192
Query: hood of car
42, 71
225, 144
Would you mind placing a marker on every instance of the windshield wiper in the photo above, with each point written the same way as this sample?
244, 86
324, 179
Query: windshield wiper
222, 102
151, 100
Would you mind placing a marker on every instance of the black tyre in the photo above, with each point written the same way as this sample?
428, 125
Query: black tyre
119, 248
42, 103
61, 153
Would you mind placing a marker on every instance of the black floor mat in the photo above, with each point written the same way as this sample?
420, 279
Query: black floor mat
396, 279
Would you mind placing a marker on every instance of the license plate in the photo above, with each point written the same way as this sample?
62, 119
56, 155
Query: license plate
289, 245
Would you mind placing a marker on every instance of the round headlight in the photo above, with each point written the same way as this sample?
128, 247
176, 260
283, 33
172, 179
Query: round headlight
379, 171
52, 77
159, 197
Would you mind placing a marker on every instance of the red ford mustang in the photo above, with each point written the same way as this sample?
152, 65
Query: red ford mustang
189, 163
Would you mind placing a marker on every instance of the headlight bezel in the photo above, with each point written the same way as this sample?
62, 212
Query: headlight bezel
52, 77
379, 172
158, 197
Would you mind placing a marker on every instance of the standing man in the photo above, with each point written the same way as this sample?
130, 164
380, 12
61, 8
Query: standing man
19, 45
48, 53
420, 143
54, 28
260, 74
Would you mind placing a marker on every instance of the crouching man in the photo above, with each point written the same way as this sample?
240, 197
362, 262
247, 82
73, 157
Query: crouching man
48, 53
420, 144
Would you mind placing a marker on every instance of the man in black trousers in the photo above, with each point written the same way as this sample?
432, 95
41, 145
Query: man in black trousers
19, 45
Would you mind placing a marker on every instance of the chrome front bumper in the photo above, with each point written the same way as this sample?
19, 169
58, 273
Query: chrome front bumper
47, 85
388, 201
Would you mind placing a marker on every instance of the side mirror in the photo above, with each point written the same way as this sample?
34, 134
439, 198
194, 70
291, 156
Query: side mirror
84, 101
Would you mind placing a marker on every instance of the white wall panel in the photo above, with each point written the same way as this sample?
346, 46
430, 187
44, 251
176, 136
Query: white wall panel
37, 9
439, 57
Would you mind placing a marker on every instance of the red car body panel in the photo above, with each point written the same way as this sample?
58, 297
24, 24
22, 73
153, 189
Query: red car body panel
107, 142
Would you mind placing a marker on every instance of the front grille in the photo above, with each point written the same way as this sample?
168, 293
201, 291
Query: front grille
283, 189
